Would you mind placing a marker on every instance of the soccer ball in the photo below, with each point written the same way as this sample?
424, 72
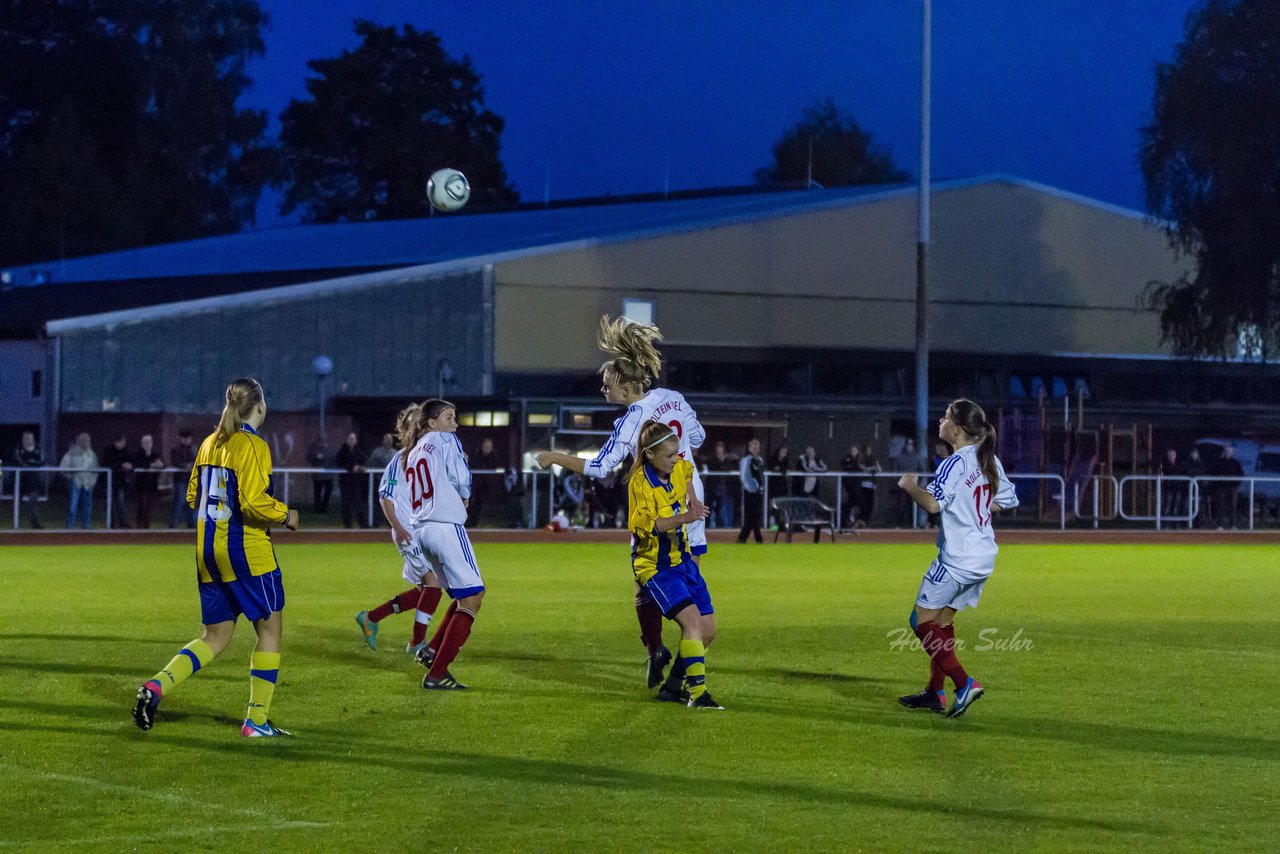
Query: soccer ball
448, 190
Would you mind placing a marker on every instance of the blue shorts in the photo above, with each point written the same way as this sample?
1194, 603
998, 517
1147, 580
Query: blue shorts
676, 588
255, 597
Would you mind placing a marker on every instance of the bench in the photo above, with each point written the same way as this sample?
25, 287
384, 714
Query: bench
791, 513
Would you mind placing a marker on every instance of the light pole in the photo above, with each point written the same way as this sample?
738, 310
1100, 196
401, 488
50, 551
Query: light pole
323, 366
922, 248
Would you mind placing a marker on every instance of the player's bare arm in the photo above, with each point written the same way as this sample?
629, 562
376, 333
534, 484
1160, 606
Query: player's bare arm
547, 459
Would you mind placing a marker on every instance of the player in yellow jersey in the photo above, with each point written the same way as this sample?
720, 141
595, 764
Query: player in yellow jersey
661, 504
236, 568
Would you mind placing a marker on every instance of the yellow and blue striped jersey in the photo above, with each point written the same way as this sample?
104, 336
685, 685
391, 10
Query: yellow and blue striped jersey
230, 488
650, 499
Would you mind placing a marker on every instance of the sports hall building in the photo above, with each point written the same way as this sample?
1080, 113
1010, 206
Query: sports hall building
788, 315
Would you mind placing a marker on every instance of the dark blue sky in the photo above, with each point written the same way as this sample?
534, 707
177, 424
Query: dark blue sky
612, 97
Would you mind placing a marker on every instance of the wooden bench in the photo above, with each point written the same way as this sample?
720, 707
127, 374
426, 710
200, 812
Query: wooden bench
791, 513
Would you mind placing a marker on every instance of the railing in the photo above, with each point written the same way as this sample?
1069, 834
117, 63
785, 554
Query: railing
1102, 509
905, 512
1206, 503
1134, 498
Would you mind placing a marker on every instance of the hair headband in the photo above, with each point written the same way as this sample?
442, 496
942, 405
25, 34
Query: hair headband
658, 442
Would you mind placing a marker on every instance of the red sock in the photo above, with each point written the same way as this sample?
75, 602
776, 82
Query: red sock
454, 638
940, 642
937, 679
650, 617
427, 602
437, 640
402, 602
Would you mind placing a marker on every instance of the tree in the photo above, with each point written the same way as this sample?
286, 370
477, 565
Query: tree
1211, 163
842, 154
379, 121
118, 124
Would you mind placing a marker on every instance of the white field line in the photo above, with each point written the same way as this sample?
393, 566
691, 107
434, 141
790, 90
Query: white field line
139, 838
167, 797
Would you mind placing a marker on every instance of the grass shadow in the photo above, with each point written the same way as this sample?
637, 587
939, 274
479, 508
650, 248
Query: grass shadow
560, 773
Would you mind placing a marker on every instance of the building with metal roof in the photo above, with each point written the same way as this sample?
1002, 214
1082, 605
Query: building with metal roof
771, 301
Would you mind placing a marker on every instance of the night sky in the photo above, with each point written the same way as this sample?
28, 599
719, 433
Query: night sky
624, 97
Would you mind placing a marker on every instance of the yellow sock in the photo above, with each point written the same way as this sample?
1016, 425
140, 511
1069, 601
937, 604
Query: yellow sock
694, 657
189, 660
263, 667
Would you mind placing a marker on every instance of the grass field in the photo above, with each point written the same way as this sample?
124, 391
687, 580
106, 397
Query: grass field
1137, 719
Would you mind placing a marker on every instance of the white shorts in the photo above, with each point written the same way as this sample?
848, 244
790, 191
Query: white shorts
416, 565
445, 547
697, 531
939, 590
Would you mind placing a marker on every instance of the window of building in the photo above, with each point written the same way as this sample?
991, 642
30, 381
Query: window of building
37, 381
485, 418
637, 309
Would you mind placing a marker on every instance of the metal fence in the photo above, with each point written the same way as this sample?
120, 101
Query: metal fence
531, 498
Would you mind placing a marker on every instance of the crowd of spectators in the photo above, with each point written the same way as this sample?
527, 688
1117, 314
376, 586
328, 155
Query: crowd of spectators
734, 480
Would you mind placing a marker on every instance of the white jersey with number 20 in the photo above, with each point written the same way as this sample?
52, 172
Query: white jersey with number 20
966, 542
438, 480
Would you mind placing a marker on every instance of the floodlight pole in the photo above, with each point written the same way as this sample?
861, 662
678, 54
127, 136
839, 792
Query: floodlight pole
922, 249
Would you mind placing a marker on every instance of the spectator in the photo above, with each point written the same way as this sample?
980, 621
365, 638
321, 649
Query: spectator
1227, 491
30, 484
82, 461
119, 459
907, 461
1172, 493
811, 464
517, 500
380, 457
870, 467
147, 463
780, 464
485, 484
851, 501
353, 461
751, 474
183, 458
722, 489
572, 491
1194, 468
318, 457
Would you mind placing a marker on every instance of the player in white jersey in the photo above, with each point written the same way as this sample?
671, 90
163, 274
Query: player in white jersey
626, 381
393, 495
439, 485
968, 486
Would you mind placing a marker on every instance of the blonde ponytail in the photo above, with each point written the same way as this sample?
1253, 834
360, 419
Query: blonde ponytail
242, 396
636, 359
406, 423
